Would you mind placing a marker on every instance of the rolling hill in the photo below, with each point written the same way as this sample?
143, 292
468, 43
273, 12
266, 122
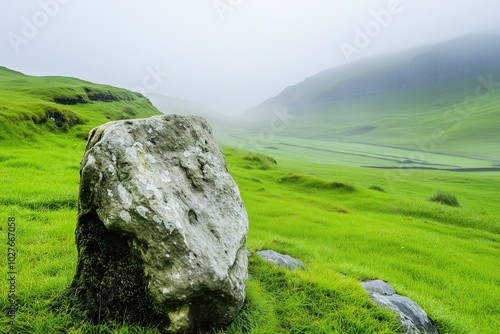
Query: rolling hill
33, 107
432, 107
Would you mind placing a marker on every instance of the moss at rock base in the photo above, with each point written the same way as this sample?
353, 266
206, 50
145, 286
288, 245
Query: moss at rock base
109, 278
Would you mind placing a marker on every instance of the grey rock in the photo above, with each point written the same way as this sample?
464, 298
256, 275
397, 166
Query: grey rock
281, 259
162, 228
378, 286
411, 316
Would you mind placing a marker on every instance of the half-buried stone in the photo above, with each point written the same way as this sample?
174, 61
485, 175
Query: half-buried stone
413, 318
281, 260
161, 227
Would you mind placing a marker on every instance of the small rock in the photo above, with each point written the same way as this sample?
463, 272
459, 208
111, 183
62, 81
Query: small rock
413, 319
379, 286
281, 259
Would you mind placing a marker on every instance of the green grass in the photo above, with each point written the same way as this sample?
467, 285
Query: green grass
442, 257
346, 223
445, 258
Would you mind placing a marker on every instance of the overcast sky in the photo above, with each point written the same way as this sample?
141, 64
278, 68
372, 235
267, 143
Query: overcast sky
228, 55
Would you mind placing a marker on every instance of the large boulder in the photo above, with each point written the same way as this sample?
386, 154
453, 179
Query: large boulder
161, 227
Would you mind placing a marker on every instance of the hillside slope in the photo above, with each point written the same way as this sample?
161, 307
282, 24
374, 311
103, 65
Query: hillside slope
427, 103
447, 62
450, 61
34, 106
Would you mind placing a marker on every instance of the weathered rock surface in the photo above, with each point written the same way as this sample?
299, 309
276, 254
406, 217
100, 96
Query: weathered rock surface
281, 259
161, 229
413, 319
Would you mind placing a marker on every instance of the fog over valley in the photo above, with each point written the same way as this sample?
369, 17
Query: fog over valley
226, 55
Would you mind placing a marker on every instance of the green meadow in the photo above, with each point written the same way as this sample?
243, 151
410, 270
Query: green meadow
346, 223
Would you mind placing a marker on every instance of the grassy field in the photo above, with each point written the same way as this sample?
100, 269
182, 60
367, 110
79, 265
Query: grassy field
444, 258
346, 223
362, 154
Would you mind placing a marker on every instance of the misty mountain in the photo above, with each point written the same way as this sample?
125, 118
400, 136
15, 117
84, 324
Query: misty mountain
443, 97
425, 66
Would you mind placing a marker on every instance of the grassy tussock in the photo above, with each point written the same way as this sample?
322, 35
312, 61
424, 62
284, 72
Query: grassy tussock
314, 183
377, 188
259, 161
445, 198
